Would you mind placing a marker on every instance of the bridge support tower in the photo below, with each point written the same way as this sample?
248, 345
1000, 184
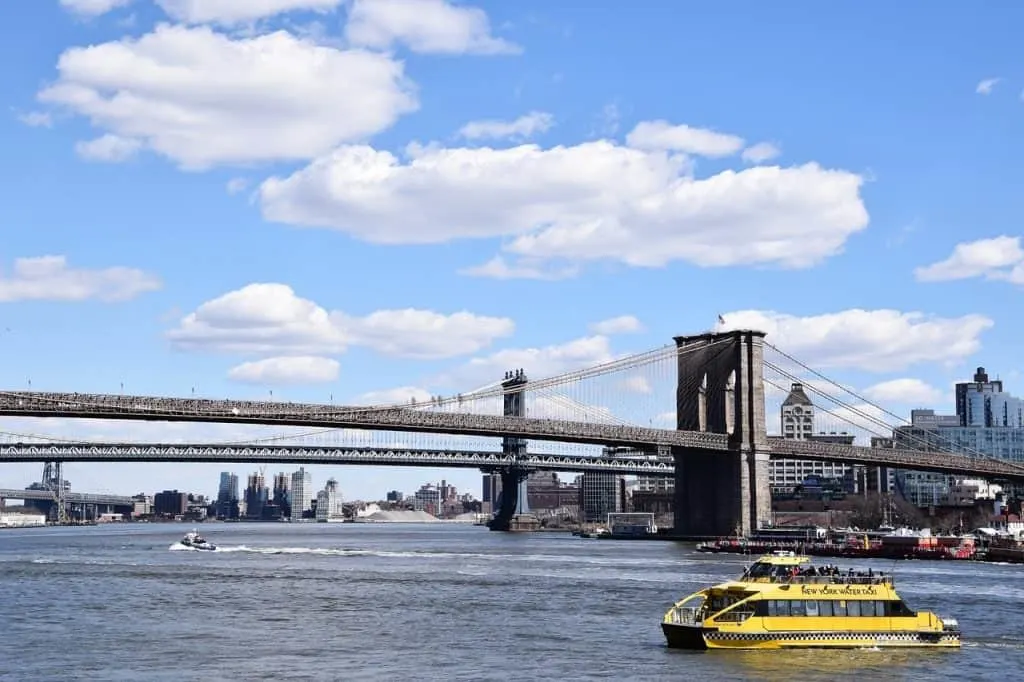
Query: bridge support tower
514, 504
53, 480
720, 390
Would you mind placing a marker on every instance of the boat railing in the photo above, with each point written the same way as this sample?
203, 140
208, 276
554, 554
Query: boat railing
840, 579
682, 615
737, 616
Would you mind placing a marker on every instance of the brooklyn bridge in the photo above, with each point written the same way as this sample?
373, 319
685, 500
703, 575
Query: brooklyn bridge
714, 440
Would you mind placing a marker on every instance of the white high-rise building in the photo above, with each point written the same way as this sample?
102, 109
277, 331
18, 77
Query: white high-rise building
328, 503
302, 493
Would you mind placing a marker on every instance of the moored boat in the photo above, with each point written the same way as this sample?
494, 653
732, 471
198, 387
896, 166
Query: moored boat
781, 602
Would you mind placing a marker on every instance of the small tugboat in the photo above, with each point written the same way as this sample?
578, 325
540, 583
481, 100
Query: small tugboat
197, 541
782, 602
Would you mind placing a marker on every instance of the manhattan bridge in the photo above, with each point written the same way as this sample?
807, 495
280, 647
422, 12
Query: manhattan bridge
696, 410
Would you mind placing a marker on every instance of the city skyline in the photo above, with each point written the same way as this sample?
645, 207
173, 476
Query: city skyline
335, 248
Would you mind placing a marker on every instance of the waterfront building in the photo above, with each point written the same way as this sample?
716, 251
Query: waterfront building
796, 417
282, 494
328, 503
301, 494
601, 492
170, 503
428, 499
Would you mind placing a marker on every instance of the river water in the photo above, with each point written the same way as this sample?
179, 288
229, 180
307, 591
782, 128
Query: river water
424, 602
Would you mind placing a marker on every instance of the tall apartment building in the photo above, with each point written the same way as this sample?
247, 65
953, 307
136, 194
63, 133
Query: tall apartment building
328, 503
988, 421
301, 493
227, 496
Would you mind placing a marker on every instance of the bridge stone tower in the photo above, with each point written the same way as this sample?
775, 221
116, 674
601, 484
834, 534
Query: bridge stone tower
514, 501
720, 390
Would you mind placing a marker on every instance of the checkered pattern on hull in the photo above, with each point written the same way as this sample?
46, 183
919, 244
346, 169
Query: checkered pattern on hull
852, 638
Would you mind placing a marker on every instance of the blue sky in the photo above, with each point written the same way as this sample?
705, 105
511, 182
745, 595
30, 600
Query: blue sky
429, 193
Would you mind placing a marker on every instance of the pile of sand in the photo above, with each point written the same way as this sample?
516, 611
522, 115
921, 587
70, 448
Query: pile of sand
405, 516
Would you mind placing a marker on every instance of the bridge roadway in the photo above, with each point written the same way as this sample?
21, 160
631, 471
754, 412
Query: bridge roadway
323, 454
485, 460
71, 498
149, 408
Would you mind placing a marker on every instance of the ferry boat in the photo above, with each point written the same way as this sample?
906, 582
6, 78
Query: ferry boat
783, 602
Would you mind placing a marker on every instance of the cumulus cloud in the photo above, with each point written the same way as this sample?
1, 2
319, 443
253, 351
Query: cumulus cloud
623, 324
570, 204
871, 340
761, 152
232, 12
907, 391
538, 361
523, 127
93, 8
298, 369
425, 26
998, 258
271, 319
108, 148
202, 98
663, 136
523, 268
50, 278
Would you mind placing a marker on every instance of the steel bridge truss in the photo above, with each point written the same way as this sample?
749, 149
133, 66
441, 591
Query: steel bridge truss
322, 454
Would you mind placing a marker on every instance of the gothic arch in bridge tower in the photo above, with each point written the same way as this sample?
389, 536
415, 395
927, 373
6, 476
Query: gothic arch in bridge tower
720, 390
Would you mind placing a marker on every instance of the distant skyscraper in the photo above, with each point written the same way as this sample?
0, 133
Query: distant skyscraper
227, 496
328, 503
282, 493
256, 496
301, 493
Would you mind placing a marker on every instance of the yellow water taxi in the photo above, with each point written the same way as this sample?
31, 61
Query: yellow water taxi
783, 602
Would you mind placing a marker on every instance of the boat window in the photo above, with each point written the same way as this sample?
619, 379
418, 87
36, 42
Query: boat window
853, 608
898, 609
824, 607
811, 607
839, 608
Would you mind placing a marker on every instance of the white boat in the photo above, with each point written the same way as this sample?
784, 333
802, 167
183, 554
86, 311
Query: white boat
197, 541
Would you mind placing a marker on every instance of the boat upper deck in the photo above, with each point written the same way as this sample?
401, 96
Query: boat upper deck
787, 568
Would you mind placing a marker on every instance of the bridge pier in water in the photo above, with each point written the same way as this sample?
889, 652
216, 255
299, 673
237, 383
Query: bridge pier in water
720, 390
514, 506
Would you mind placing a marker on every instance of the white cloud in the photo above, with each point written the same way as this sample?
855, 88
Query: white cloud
288, 370
236, 185
592, 201
231, 12
108, 148
623, 324
662, 135
425, 26
37, 119
637, 384
905, 392
523, 268
761, 152
202, 98
93, 8
539, 362
985, 87
49, 278
525, 126
999, 258
872, 340
271, 318
395, 396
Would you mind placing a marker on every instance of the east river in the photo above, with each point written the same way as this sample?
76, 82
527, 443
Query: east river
425, 602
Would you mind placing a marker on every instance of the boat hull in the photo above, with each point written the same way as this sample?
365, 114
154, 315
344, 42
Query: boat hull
695, 637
